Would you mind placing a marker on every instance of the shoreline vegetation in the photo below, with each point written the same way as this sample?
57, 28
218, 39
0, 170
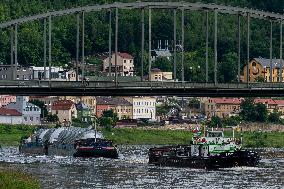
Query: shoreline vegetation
11, 136
15, 179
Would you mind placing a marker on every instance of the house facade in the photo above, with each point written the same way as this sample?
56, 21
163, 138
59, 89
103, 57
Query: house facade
65, 110
158, 75
6, 99
125, 64
30, 112
143, 107
19, 73
10, 116
83, 112
260, 68
122, 107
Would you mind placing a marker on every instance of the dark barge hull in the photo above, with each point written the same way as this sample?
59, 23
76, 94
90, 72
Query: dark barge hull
32, 149
223, 160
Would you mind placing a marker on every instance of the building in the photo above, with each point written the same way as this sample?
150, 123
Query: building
57, 73
89, 101
122, 107
270, 104
143, 107
158, 75
222, 107
47, 100
30, 112
162, 51
260, 68
125, 64
6, 99
10, 116
20, 73
83, 112
65, 110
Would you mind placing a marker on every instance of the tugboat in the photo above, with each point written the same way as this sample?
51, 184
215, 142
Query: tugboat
210, 152
69, 141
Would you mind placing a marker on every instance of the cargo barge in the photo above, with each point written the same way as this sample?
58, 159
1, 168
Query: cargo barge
212, 151
69, 141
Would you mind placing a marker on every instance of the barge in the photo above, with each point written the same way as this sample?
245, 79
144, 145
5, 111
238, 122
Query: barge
69, 141
212, 151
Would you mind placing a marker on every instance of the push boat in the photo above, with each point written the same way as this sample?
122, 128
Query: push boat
69, 141
211, 151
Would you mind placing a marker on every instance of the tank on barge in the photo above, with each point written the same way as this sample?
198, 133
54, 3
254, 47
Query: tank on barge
213, 151
69, 141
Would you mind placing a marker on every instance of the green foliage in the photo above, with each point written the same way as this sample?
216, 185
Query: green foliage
52, 118
260, 79
11, 179
261, 112
231, 121
215, 122
94, 61
257, 139
274, 117
163, 64
96, 36
108, 119
248, 112
194, 103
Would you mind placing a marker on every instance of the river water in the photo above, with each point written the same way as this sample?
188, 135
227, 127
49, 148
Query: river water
131, 170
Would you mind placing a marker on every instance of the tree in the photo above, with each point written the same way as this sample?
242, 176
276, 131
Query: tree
42, 106
108, 119
261, 112
228, 68
215, 122
163, 64
248, 112
274, 116
260, 79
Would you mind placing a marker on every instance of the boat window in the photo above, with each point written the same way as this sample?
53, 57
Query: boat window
214, 134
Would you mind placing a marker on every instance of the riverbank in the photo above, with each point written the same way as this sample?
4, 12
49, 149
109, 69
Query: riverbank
14, 179
11, 135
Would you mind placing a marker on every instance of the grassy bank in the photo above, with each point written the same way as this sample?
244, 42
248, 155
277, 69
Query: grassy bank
140, 136
10, 135
11, 179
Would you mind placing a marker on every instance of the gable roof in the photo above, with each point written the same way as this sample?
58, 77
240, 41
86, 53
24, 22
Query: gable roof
226, 100
112, 101
105, 55
266, 62
9, 112
265, 101
62, 105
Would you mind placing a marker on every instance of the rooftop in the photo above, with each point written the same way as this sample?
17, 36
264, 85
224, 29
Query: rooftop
62, 105
112, 101
9, 112
266, 62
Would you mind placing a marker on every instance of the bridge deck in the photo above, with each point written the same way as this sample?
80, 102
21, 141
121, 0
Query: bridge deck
60, 88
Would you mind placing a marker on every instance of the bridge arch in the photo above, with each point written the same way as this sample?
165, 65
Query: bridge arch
180, 6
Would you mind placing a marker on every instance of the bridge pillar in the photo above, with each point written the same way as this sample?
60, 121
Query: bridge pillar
77, 44
207, 45
49, 46
109, 43
116, 43
16, 51
248, 48
175, 43
12, 52
150, 41
239, 47
44, 48
142, 42
215, 45
281, 50
83, 46
271, 48
182, 45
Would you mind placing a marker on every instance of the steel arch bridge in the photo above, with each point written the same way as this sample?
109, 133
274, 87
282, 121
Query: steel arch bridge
144, 88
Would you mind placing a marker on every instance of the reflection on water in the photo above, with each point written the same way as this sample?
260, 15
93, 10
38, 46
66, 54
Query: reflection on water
132, 171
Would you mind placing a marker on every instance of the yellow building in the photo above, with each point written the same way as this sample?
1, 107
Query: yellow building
158, 75
260, 68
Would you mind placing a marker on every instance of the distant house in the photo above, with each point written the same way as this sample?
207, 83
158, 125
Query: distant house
125, 64
18, 73
83, 112
30, 112
158, 75
57, 73
6, 99
10, 116
65, 110
122, 107
89, 101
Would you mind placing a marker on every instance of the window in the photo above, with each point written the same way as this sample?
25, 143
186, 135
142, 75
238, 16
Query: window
130, 61
31, 118
124, 61
253, 64
27, 109
25, 119
18, 77
37, 118
31, 108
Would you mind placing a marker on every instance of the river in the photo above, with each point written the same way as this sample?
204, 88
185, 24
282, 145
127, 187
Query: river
131, 170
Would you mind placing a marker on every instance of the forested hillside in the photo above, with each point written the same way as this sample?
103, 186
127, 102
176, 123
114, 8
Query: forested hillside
64, 34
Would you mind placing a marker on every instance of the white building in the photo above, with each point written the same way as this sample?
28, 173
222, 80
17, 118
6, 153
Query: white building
144, 108
30, 112
57, 73
10, 116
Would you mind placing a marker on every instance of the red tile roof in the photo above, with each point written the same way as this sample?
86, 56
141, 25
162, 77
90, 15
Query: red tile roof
226, 100
9, 112
265, 101
279, 102
125, 55
62, 105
